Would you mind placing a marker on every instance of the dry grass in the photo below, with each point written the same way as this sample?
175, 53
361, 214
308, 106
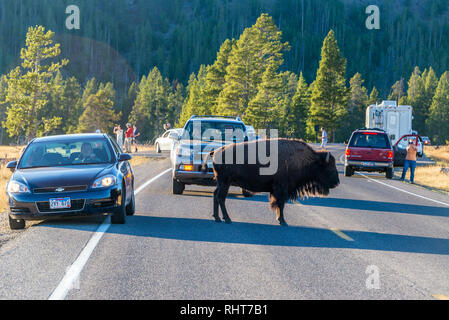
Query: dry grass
431, 176
136, 161
145, 148
439, 155
4, 177
10, 152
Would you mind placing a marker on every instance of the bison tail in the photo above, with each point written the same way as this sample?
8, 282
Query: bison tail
204, 165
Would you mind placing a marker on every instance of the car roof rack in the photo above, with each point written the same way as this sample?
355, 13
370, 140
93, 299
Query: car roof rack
215, 116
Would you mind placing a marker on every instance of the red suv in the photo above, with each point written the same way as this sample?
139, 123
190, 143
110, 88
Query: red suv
369, 150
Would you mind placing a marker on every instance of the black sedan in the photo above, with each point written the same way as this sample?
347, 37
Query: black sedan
70, 176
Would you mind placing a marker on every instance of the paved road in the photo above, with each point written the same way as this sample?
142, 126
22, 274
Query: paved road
171, 248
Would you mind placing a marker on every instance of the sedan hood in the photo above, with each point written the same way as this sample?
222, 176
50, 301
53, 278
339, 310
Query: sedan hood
61, 176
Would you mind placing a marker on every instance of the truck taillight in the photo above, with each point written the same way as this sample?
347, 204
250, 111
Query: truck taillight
347, 152
390, 154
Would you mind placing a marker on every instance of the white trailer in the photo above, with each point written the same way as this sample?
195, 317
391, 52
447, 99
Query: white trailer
395, 120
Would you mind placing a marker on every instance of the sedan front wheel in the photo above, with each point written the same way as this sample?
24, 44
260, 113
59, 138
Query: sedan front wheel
119, 216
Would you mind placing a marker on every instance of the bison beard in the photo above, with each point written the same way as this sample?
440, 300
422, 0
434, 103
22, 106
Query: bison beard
302, 172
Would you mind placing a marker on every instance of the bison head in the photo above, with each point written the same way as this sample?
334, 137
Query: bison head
327, 177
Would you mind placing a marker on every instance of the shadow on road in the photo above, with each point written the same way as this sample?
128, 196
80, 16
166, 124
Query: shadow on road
367, 205
267, 235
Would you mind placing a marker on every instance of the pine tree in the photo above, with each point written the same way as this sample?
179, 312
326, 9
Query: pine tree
437, 122
175, 101
358, 101
299, 109
129, 101
373, 97
431, 83
215, 77
71, 104
151, 108
256, 48
29, 84
329, 94
3, 103
397, 91
98, 113
194, 103
416, 97
263, 110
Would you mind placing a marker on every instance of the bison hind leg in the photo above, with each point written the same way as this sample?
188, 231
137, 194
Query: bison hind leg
277, 203
220, 194
215, 215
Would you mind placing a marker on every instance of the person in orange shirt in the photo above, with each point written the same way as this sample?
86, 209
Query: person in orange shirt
410, 161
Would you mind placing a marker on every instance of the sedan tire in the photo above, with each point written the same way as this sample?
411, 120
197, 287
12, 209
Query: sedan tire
119, 216
131, 207
348, 171
389, 173
177, 187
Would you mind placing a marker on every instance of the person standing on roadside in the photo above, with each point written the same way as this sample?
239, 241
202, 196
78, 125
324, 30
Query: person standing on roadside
323, 138
410, 161
119, 133
128, 137
136, 135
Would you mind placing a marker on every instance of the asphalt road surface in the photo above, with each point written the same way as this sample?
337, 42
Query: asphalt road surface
372, 238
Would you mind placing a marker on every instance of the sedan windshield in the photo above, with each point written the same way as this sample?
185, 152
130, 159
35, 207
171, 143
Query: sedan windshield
214, 130
63, 153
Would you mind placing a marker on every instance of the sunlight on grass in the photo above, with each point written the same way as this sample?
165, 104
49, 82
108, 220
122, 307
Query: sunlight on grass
440, 155
432, 176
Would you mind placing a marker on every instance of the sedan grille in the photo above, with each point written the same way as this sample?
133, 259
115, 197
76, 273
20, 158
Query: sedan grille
60, 189
75, 205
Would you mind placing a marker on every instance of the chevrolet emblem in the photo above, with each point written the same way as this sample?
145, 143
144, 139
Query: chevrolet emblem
59, 189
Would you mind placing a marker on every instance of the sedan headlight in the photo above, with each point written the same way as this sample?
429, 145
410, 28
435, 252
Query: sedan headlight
105, 181
17, 187
184, 152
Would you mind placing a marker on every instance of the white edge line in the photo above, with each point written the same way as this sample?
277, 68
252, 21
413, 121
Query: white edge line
150, 181
75, 269
396, 188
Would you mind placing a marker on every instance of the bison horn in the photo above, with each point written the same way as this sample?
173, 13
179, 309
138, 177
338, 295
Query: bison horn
327, 157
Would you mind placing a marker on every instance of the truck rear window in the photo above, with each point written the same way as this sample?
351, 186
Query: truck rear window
369, 140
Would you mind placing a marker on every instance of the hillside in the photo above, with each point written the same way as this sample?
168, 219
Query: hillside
124, 41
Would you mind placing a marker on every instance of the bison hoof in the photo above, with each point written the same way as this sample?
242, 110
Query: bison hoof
283, 223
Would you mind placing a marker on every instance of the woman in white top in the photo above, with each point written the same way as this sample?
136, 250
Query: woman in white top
119, 133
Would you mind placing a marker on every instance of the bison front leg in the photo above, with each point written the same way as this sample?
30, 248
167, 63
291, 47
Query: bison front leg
277, 201
280, 214
223, 188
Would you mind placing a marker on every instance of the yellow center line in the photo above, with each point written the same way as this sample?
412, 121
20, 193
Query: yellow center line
440, 296
341, 234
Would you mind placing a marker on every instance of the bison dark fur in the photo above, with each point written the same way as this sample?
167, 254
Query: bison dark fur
301, 172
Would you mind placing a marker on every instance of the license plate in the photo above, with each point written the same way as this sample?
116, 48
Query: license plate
368, 164
60, 203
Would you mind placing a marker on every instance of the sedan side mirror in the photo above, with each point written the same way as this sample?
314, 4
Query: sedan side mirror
12, 165
124, 157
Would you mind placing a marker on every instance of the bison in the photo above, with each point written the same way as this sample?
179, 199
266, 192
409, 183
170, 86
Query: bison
301, 172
